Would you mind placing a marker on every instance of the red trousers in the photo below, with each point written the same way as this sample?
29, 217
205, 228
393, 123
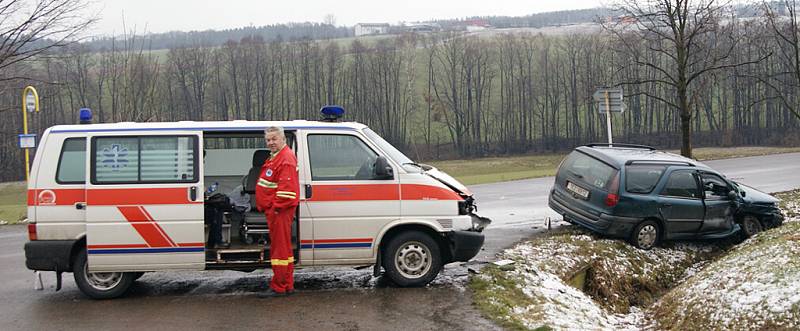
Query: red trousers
280, 250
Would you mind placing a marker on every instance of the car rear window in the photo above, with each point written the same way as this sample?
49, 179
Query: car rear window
588, 170
642, 178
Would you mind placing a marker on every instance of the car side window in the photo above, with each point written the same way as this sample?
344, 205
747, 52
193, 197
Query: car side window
340, 157
714, 186
681, 183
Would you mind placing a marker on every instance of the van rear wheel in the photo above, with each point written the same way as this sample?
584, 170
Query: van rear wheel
100, 285
412, 259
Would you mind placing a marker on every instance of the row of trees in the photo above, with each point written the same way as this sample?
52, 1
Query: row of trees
447, 95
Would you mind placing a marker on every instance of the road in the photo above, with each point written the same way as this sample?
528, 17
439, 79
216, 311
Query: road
342, 299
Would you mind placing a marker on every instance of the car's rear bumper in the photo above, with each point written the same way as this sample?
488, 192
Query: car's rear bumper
617, 226
49, 255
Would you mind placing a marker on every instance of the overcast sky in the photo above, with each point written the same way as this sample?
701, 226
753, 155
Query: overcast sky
186, 15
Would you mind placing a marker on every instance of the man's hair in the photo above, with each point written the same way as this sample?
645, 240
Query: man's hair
277, 129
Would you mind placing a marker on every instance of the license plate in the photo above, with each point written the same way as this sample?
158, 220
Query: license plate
579, 191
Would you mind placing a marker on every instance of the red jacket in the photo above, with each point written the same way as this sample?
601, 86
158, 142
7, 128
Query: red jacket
278, 186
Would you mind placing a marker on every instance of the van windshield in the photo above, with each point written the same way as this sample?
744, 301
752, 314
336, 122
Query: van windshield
391, 152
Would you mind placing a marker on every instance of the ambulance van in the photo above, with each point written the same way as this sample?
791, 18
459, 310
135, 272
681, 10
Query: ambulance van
109, 202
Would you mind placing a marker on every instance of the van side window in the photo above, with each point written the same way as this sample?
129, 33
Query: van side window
340, 157
682, 183
72, 162
151, 159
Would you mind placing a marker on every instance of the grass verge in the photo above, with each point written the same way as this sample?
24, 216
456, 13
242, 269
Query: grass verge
499, 169
13, 204
570, 279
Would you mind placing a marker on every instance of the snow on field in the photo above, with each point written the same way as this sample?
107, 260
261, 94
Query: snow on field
756, 285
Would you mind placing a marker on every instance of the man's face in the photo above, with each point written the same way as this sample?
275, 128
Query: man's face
274, 141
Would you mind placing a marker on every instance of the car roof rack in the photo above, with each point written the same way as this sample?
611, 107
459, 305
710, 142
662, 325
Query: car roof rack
687, 163
621, 145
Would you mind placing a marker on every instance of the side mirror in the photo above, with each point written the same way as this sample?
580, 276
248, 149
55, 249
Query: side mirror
732, 195
382, 169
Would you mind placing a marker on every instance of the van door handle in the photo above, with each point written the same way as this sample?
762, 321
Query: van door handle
308, 191
193, 193
666, 205
80, 205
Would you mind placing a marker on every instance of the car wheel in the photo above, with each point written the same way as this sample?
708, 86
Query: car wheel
100, 285
412, 259
137, 275
750, 226
646, 235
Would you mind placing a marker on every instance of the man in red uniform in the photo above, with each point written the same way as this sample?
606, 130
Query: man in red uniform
277, 197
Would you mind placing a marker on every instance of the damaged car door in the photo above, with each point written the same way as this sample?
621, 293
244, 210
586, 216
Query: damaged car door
719, 206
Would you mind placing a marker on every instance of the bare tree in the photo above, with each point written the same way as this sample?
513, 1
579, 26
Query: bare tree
32, 27
786, 35
689, 36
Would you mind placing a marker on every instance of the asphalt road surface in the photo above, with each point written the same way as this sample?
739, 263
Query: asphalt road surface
341, 299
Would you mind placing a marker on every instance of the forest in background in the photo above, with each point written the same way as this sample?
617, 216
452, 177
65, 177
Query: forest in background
435, 96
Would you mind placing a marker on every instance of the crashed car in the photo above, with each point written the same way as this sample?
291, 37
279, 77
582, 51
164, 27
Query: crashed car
646, 196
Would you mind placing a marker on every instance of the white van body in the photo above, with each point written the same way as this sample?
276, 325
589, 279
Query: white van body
136, 203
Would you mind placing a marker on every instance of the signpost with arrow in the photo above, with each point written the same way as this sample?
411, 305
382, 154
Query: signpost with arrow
609, 100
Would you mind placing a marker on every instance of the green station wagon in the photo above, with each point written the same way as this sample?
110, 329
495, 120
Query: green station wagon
645, 195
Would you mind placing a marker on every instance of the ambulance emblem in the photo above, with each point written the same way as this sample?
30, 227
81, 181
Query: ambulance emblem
47, 197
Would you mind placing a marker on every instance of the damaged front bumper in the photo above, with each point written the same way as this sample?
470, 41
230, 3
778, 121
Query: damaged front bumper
464, 245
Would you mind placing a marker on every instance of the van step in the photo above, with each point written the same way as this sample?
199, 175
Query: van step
238, 254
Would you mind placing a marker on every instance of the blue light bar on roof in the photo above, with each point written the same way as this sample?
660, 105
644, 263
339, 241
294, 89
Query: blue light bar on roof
332, 113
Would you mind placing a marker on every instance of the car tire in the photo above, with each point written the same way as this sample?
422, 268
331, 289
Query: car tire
412, 259
750, 226
137, 275
100, 285
646, 235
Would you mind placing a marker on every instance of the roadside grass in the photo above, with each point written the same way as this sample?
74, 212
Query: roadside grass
500, 169
572, 279
13, 204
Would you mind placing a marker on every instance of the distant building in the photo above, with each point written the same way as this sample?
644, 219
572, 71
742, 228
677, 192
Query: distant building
364, 29
421, 27
477, 25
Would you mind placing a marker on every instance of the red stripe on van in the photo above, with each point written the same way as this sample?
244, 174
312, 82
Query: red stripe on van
63, 197
325, 241
139, 196
149, 230
117, 246
381, 192
427, 192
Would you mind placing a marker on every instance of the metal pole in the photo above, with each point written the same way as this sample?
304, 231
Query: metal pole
25, 131
608, 120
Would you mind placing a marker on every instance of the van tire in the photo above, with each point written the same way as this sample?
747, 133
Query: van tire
646, 235
102, 285
412, 259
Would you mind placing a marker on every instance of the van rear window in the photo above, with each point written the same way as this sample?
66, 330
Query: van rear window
588, 170
642, 178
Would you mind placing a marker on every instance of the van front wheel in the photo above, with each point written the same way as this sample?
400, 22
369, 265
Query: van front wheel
100, 285
412, 259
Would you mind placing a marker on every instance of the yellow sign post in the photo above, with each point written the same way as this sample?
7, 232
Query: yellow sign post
30, 103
